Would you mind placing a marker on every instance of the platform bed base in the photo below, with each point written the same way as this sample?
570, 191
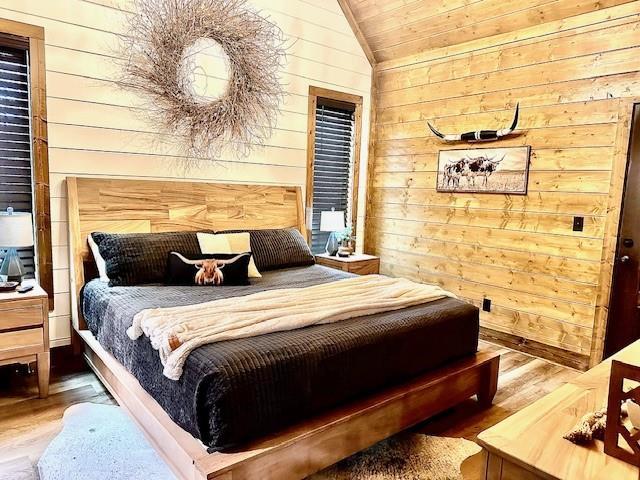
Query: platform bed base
307, 447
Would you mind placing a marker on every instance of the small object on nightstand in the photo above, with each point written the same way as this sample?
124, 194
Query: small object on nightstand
24, 331
346, 242
24, 288
8, 286
360, 264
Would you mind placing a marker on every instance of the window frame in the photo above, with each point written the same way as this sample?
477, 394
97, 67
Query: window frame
31, 37
339, 99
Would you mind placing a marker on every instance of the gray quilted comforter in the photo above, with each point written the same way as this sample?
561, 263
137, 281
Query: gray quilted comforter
234, 391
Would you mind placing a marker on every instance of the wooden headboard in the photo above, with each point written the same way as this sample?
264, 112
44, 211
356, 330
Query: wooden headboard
142, 206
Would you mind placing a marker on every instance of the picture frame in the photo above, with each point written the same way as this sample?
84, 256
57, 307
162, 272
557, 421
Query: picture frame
501, 170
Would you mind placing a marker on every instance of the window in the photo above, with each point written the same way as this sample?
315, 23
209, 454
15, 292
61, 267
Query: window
15, 140
333, 160
24, 165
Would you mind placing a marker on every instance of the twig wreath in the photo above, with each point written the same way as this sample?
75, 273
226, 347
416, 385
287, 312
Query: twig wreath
159, 36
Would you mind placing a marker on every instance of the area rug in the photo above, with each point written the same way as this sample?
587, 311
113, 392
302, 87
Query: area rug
18, 469
407, 456
100, 442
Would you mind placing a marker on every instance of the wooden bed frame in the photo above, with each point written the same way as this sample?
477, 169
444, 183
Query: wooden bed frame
115, 205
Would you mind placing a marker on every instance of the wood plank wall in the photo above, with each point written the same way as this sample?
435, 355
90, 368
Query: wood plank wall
98, 130
574, 78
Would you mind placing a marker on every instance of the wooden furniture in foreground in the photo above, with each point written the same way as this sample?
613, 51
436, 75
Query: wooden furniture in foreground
529, 444
621, 439
360, 264
24, 332
123, 205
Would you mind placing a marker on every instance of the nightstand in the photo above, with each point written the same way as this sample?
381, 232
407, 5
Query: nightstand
24, 332
360, 264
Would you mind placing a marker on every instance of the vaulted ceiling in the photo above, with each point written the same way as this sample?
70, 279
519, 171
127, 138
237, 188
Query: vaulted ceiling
397, 28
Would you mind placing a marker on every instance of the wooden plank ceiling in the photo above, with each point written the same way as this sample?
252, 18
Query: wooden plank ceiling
397, 28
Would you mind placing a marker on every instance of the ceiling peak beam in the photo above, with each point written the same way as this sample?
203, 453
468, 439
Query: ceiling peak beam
344, 5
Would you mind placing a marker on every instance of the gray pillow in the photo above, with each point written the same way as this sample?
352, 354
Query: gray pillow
139, 258
275, 248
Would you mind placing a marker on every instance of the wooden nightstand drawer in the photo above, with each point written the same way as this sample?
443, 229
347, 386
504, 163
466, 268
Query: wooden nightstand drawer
24, 331
21, 317
365, 268
21, 342
358, 264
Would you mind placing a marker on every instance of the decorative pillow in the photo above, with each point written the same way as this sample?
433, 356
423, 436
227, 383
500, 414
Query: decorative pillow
218, 269
228, 243
279, 248
100, 263
139, 258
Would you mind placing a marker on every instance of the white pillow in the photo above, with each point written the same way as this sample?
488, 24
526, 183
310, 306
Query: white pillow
100, 263
212, 243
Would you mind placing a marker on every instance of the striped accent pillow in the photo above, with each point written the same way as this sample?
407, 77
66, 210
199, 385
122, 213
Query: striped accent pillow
275, 248
139, 258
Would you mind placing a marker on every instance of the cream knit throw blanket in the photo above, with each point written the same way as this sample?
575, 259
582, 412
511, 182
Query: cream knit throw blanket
177, 331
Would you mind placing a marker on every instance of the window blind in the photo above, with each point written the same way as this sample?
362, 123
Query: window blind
16, 186
332, 167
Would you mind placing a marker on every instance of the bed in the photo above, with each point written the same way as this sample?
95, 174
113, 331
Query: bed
281, 405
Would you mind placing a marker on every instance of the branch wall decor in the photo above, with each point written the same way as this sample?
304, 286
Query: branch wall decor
478, 135
161, 33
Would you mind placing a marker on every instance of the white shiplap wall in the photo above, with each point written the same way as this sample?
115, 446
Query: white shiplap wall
94, 131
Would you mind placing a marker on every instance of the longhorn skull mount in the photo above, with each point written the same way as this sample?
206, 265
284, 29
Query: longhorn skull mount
478, 135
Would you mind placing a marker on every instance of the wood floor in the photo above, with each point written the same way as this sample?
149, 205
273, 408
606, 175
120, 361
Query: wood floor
27, 423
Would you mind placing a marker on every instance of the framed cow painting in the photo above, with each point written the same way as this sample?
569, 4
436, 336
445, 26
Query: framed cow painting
484, 170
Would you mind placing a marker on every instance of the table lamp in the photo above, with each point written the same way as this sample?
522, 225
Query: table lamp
16, 231
332, 221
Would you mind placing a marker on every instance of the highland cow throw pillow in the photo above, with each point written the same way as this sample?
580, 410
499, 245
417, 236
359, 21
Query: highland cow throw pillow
216, 269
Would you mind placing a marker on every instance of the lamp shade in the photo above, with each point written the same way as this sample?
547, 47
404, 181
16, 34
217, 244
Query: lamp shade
16, 229
331, 221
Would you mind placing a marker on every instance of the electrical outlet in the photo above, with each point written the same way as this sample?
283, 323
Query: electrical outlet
486, 304
578, 224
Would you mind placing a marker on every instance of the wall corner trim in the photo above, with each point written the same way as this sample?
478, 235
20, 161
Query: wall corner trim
344, 5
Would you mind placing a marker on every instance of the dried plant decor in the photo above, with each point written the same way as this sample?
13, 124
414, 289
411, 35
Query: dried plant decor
161, 38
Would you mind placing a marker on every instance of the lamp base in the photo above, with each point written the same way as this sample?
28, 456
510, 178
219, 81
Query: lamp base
332, 244
12, 269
